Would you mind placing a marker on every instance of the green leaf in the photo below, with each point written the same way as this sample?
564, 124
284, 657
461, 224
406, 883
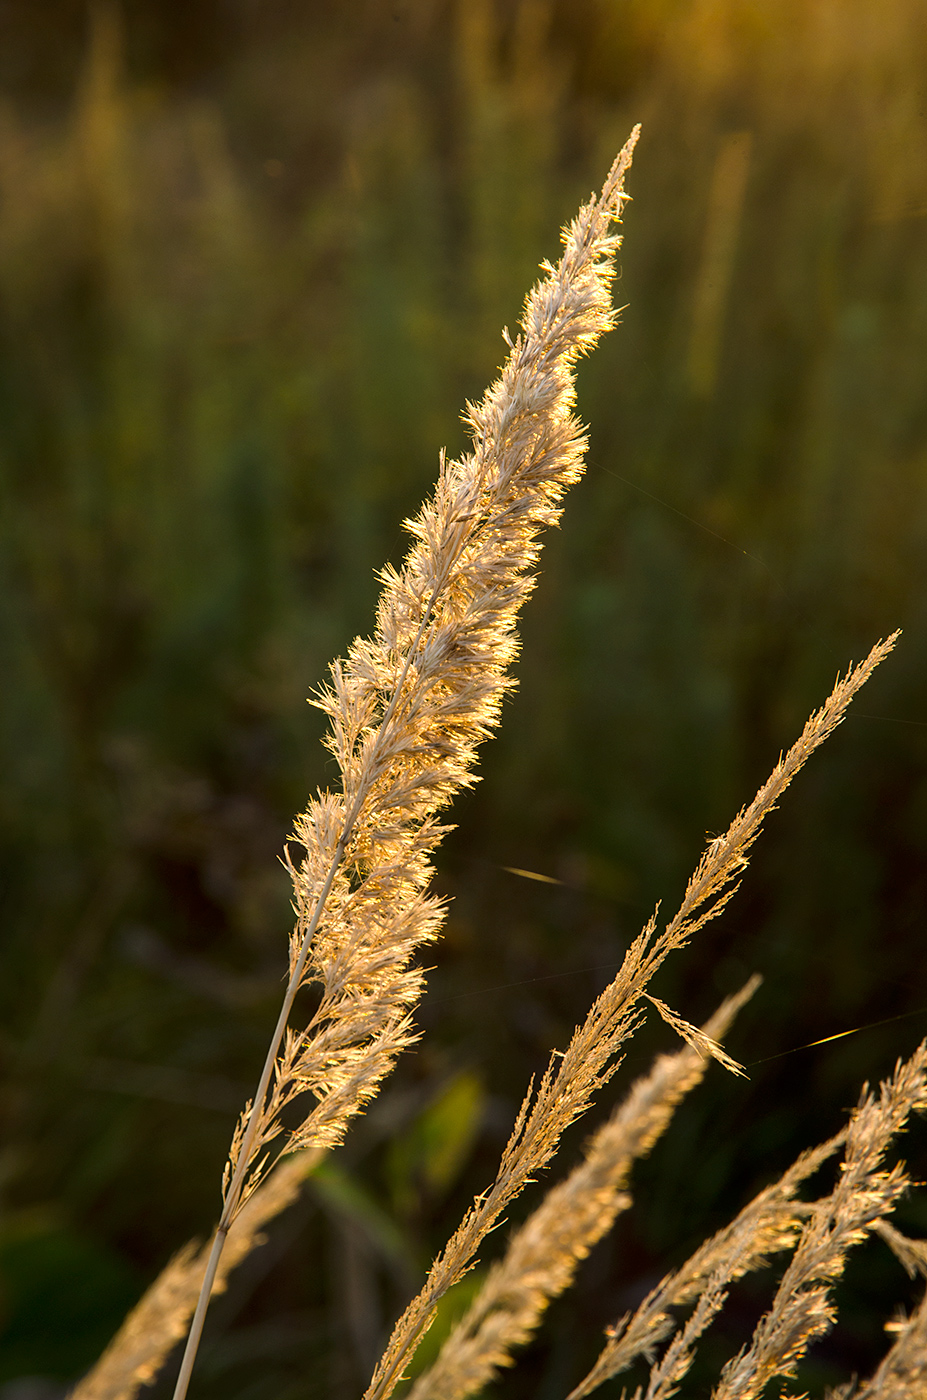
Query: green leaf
429, 1157
340, 1191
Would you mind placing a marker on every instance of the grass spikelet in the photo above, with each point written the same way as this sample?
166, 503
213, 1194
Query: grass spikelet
802, 1309
820, 1232
408, 709
572, 1079
544, 1253
911, 1254
703, 1044
902, 1372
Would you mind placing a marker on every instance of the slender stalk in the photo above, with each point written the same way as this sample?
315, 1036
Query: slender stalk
543, 1255
476, 543
161, 1317
236, 1185
199, 1317
239, 1176
572, 1078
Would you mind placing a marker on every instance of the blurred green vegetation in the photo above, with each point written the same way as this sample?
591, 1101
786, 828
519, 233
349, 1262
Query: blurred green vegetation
241, 305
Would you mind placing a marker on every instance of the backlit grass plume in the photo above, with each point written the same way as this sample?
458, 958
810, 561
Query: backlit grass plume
866, 1191
821, 1233
408, 709
574, 1076
542, 1257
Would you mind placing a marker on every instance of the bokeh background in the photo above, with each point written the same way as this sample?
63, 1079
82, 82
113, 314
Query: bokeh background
253, 258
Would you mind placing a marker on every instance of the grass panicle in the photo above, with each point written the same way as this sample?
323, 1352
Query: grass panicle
820, 1232
865, 1193
574, 1076
407, 710
543, 1255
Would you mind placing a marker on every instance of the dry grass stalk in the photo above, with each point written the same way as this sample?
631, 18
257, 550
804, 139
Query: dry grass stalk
408, 709
902, 1373
159, 1320
865, 1192
911, 1254
821, 1233
572, 1079
543, 1255
767, 1224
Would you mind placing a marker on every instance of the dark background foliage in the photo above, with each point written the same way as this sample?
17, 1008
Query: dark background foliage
253, 258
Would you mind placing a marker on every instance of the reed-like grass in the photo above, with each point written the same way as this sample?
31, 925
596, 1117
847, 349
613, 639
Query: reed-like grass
221, 389
407, 710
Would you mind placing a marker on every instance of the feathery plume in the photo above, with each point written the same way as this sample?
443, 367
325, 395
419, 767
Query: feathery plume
408, 709
911, 1254
902, 1372
767, 1224
821, 1232
573, 1078
864, 1194
543, 1255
